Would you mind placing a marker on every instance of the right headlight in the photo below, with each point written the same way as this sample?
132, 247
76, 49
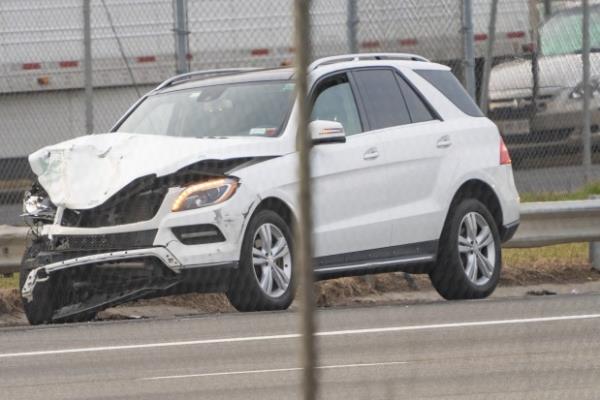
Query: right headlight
204, 194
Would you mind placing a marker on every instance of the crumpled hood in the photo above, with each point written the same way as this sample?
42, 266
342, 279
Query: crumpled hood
85, 172
514, 79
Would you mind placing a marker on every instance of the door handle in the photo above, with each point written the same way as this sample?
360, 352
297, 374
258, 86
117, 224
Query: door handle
444, 142
371, 154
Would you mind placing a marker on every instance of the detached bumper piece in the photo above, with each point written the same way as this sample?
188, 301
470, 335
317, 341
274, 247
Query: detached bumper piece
81, 275
85, 285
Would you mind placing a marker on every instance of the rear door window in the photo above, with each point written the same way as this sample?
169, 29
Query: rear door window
383, 101
450, 87
419, 112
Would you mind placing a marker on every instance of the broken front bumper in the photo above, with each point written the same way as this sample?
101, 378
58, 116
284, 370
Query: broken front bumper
41, 274
206, 238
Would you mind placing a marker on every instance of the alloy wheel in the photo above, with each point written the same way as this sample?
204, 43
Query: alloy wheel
476, 248
272, 260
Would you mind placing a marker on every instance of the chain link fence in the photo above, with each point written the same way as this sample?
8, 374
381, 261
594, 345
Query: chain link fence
535, 94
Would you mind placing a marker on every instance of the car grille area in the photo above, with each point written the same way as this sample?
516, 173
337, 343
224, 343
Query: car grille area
102, 243
140, 207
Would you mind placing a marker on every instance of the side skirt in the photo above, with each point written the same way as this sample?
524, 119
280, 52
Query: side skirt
414, 258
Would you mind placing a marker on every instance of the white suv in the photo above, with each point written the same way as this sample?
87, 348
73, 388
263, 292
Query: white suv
195, 189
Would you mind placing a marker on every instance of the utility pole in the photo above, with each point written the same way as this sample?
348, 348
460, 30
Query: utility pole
587, 93
534, 22
181, 36
547, 9
489, 58
469, 48
304, 228
87, 67
352, 26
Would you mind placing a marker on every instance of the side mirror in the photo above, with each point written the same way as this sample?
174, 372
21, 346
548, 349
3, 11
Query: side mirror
327, 132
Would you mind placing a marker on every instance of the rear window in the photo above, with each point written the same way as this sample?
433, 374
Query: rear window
450, 87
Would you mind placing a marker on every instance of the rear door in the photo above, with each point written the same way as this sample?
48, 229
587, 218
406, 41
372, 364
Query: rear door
413, 144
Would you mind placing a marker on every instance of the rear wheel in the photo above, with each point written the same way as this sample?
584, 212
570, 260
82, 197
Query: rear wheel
469, 258
264, 279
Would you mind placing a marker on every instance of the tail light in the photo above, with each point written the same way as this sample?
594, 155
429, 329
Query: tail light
504, 155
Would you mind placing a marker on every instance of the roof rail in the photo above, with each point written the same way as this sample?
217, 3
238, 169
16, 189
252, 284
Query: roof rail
365, 56
205, 73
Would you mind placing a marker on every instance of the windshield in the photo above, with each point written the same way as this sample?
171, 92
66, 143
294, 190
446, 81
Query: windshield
562, 33
241, 109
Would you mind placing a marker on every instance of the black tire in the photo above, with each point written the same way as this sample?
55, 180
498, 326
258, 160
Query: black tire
41, 308
449, 276
245, 293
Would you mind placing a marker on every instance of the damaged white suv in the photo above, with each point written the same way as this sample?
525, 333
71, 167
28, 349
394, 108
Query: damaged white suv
195, 189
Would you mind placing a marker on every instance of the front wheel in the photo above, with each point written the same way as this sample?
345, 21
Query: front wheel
265, 278
469, 259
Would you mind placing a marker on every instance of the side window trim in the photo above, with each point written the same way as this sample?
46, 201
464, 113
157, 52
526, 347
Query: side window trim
361, 113
430, 108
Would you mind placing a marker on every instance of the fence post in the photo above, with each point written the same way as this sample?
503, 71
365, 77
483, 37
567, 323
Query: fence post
489, 58
304, 252
469, 48
352, 26
87, 67
534, 22
587, 93
547, 9
181, 36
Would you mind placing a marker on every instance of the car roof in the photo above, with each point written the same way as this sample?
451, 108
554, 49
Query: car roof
258, 75
318, 68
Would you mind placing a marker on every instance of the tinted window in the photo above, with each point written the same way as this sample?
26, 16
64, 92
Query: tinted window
382, 98
335, 102
446, 83
419, 112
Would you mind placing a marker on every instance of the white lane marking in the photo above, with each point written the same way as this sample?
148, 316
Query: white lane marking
268, 371
297, 335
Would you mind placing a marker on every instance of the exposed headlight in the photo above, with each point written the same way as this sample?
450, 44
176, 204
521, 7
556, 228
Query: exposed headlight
205, 194
35, 205
577, 93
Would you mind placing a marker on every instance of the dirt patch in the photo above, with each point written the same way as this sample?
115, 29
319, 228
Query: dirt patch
547, 272
202, 303
10, 302
350, 290
11, 310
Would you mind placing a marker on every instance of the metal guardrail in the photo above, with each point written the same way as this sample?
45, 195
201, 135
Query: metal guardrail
555, 222
12, 246
542, 224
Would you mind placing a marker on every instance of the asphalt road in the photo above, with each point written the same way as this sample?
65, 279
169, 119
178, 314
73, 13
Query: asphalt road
532, 348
